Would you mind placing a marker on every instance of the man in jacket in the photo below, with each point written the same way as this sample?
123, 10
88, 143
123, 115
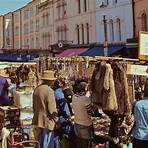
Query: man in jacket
45, 111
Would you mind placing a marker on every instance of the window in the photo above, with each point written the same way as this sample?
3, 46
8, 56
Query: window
85, 5
31, 26
79, 6
16, 18
26, 43
17, 44
114, 1
78, 34
16, 31
26, 29
144, 22
26, 14
37, 25
87, 31
32, 43
105, 27
37, 9
31, 11
119, 29
82, 33
37, 43
111, 26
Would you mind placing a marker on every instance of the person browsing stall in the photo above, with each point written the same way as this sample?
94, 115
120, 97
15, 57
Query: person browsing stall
83, 122
45, 111
140, 130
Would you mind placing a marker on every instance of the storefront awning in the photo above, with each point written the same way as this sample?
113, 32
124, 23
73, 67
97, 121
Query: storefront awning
112, 49
99, 50
72, 52
95, 51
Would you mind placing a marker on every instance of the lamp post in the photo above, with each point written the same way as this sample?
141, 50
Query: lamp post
105, 36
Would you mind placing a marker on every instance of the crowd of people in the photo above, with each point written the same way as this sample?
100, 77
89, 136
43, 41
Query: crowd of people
62, 114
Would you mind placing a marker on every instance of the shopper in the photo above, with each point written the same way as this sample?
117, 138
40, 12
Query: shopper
140, 130
83, 123
63, 112
4, 98
45, 111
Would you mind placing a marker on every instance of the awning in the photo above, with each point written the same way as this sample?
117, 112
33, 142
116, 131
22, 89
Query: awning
72, 52
99, 50
115, 48
95, 51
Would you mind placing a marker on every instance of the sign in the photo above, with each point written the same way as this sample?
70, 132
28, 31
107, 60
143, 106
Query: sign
137, 70
143, 45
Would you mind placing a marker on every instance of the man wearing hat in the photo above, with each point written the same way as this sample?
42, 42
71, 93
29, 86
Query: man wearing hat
45, 111
4, 98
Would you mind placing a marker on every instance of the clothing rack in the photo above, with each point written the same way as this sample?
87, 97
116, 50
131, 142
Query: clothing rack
93, 59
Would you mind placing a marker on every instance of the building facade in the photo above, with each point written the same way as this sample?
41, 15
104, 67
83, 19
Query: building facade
42, 23
114, 20
1, 31
141, 16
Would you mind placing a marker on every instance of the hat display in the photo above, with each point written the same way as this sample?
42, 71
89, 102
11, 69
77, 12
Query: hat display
48, 75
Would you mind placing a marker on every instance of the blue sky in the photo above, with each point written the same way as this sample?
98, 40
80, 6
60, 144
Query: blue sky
11, 5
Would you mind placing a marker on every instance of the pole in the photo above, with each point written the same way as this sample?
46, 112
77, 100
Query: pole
134, 24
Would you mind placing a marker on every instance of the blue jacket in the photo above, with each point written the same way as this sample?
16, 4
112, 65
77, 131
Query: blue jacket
140, 130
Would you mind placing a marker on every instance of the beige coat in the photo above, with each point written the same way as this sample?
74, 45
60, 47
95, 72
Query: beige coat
43, 104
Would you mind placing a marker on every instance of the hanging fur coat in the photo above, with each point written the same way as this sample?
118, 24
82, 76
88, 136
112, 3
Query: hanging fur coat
121, 88
97, 83
109, 95
103, 89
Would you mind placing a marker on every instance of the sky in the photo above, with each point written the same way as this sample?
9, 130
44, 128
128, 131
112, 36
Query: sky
11, 5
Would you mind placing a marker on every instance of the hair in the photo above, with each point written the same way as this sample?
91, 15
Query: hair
146, 88
80, 86
57, 84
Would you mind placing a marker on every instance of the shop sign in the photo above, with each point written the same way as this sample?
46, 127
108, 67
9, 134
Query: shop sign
137, 70
143, 45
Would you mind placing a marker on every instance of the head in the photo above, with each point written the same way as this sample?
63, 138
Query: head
58, 84
80, 86
146, 88
48, 78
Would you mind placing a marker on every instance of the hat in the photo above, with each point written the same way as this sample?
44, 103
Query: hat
3, 74
48, 75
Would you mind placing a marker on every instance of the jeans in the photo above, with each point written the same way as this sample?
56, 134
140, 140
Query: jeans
45, 138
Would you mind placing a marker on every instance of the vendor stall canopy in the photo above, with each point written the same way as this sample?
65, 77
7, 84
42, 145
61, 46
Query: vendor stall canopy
16, 57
